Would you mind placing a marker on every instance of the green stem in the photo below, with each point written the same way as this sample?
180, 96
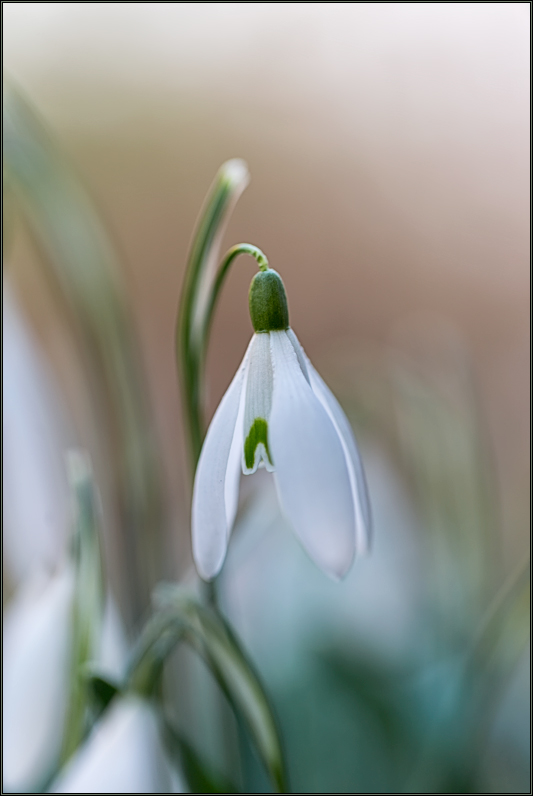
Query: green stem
223, 270
211, 595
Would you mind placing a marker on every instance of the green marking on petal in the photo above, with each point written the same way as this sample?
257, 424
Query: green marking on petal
257, 435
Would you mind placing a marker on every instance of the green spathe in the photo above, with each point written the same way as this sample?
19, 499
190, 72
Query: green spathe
268, 302
257, 435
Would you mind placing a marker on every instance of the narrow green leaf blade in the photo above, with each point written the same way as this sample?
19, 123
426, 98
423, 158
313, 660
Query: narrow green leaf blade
199, 776
213, 639
101, 692
87, 607
79, 255
196, 300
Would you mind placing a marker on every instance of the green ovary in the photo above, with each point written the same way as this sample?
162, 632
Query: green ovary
257, 435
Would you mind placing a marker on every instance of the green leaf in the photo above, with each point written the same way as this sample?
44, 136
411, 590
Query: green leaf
8, 218
101, 692
199, 776
505, 629
378, 689
87, 606
197, 301
81, 261
179, 617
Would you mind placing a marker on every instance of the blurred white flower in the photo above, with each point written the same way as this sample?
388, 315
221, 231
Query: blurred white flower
38, 650
278, 413
124, 754
37, 669
36, 656
38, 619
35, 492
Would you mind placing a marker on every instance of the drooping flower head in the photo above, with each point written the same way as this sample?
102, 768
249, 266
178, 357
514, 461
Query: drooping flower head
279, 413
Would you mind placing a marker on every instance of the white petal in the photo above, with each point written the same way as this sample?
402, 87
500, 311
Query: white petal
111, 654
216, 481
36, 651
363, 522
257, 406
303, 360
35, 504
124, 754
311, 472
234, 468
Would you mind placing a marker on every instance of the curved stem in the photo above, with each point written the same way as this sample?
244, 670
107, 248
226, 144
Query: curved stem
223, 270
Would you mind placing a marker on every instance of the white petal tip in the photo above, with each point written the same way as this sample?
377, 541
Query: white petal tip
206, 576
336, 569
335, 577
207, 564
209, 545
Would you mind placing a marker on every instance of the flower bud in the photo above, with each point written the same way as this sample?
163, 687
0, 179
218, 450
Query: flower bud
268, 302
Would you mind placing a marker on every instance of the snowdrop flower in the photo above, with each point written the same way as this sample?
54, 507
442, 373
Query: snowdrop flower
35, 507
36, 656
124, 754
278, 413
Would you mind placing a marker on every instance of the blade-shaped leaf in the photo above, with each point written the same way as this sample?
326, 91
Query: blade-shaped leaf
199, 776
101, 692
79, 255
180, 617
505, 629
196, 299
88, 597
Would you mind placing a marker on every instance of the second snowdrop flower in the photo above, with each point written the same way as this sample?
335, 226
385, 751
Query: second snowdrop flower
279, 413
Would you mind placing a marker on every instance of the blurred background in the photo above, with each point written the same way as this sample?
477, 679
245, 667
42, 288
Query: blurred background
388, 146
